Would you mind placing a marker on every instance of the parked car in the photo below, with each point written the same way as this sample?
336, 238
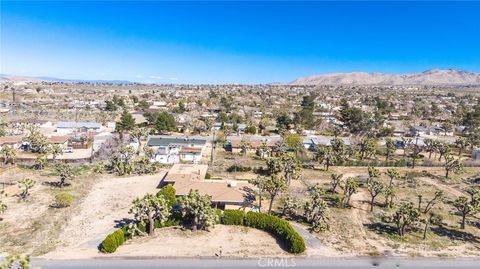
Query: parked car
68, 150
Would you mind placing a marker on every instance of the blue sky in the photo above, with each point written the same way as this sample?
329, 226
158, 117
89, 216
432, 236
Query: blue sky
234, 42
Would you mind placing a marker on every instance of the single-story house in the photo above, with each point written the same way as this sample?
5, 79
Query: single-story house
170, 149
225, 194
13, 142
67, 127
61, 140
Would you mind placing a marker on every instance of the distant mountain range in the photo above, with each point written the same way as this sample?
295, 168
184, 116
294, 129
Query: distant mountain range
14, 78
429, 77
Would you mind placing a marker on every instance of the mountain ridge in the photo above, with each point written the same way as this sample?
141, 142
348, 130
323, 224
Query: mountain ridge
428, 77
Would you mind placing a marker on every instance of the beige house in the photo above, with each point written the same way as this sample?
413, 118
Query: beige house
225, 194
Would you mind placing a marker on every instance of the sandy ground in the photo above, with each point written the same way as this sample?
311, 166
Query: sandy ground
100, 212
222, 240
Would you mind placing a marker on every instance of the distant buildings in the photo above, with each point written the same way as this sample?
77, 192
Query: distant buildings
171, 150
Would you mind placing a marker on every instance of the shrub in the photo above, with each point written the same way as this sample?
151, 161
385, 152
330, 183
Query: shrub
239, 168
233, 217
63, 199
278, 227
208, 176
113, 241
168, 192
167, 223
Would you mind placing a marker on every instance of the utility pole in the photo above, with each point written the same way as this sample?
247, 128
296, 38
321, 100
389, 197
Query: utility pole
213, 147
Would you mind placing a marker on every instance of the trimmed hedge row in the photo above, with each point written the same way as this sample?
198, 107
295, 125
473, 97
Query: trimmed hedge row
118, 237
113, 241
272, 224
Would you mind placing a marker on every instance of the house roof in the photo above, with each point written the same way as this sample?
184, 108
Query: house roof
72, 124
181, 141
186, 177
219, 191
59, 139
9, 140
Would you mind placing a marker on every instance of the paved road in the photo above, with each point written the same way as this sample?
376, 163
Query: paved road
212, 263
310, 240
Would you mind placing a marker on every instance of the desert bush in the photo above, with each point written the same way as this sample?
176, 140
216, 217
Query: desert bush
239, 168
271, 224
63, 199
168, 192
233, 217
113, 241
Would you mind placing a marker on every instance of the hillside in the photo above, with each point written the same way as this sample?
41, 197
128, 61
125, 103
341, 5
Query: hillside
430, 77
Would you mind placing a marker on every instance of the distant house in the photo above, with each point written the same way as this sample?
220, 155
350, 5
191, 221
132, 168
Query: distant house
13, 142
67, 127
169, 150
225, 194
418, 130
60, 140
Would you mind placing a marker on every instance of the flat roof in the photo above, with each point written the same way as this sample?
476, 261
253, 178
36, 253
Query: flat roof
171, 140
72, 124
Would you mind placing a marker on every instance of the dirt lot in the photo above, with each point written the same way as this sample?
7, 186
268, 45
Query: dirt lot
222, 240
103, 209
357, 231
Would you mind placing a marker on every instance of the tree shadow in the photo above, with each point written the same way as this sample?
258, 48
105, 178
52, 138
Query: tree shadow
122, 222
455, 234
381, 228
56, 184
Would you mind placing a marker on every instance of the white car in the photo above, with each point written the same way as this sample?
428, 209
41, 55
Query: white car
68, 150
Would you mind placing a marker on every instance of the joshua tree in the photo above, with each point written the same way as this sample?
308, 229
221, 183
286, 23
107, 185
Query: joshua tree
415, 151
17, 262
40, 162
327, 156
151, 207
290, 206
406, 216
461, 144
429, 219
443, 150
467, 206
406, 143
430, 147
374, 187
287, 164
55, 150
3, 207
339, 148
273, 184
452, 165
197, 208
65, 173
244, 147
336, 180
25, 185
8, 154
351, 187
393, 174
37, 141
316, 209
389, 195
390, 145
438, 197
367, 147
122, 161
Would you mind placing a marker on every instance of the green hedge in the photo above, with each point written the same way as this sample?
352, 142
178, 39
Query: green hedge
233, 217
113, 241
272, 224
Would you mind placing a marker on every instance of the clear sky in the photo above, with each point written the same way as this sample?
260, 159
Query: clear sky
235, 42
